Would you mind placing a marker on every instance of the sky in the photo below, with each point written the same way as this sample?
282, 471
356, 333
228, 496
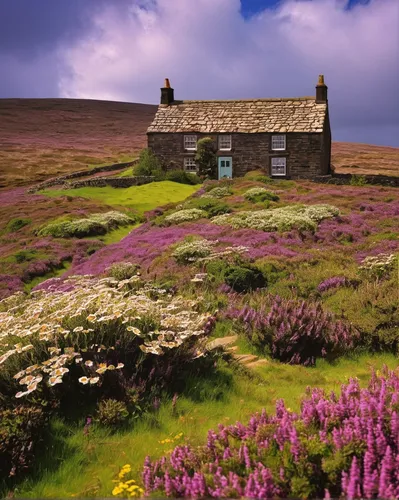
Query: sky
122, 50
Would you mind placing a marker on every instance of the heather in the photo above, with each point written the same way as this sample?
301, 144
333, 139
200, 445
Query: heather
337, 444
134, 326
96, 224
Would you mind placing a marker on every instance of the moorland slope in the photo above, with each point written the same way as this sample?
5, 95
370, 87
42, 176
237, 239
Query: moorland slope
41, 138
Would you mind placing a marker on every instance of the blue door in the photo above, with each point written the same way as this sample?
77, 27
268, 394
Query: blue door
225, 167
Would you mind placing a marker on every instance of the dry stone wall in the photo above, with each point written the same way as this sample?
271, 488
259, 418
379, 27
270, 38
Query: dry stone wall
116, 182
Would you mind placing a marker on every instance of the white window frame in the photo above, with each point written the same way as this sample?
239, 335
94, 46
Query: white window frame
279, 142
189, 162
278, 161
190, 142
226, 138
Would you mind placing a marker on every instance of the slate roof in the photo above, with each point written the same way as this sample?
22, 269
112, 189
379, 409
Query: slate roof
301, 114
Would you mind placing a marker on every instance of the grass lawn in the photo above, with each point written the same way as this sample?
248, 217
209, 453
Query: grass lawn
140, 198
79, 465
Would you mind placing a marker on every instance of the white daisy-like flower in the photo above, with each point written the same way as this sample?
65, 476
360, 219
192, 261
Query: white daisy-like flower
92, 318
55, 380
119, 366
111, 367
89, 363
59, 372
94, 380
84, 380
19, 375
133, 329
27, 380
78, 360
78, 329
27, 347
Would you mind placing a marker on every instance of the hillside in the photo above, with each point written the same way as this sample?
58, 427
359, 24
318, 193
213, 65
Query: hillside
40, 138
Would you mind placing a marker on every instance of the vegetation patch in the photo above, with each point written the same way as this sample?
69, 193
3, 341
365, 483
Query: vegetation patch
259, 194
96, 224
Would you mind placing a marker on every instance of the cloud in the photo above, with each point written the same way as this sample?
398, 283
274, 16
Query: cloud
209, 51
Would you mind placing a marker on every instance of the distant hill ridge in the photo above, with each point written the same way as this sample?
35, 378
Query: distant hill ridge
41, 138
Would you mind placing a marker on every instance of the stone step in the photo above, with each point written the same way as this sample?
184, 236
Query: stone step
259, 362
222, 342
244, 359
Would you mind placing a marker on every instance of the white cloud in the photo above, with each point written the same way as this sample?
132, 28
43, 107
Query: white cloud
209, 51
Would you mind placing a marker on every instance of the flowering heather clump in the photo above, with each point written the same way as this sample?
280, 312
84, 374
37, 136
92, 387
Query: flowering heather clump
379, 266
93, 225
339, 445
257, 194
217, 192
185, 216
304, 218
334, 282
98, 326
193, 250
296, 332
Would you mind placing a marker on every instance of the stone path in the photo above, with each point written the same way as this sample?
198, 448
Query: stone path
248, 360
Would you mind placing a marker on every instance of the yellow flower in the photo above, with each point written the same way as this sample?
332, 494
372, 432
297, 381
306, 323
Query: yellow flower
116, 491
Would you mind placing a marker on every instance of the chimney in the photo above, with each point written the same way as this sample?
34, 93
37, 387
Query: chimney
167, 93
321, 90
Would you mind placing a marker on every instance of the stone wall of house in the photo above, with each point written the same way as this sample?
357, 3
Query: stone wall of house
304, 152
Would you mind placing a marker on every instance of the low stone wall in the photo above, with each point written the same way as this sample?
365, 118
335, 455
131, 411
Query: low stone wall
383, 180
116, 182
55, 181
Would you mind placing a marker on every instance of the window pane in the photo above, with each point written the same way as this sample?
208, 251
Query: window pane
222, 163
227, 163
278, 141
225, 142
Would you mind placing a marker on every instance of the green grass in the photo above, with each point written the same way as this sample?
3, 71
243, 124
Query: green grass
39, 279
78, 465
115, 235
140, 198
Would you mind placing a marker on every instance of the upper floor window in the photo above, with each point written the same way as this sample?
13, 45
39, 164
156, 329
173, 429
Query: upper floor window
279, 166
224, 142
278, 142
190, 165
190, 142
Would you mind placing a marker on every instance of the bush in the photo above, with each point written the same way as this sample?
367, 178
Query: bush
358, 180
94, 225
303, 218
206, 158
122, 270
21, 429
379, 266
17, 224
217, 192
185, 216
212, 206
296, 332
25, 256
259, 194
244, 278
191, 251
149, 165
183, 177
112, 413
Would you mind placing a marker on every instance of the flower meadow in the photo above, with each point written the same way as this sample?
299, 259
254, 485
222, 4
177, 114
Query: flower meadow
298, 274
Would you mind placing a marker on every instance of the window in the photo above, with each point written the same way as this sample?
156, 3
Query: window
279, 166
190, 142
190, 165
225, 142
278, 142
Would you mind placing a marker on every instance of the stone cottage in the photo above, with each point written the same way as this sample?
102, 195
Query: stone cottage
284, 137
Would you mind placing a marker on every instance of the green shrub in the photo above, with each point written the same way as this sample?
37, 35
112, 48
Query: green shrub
244, 278
149, 165
259, 194
206, 158
190, 251
25, 256
183, 177
17, 224
112, 413
212, 206
180, 216
122, 270
21, 429
358, 180
217, 192
94, 225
